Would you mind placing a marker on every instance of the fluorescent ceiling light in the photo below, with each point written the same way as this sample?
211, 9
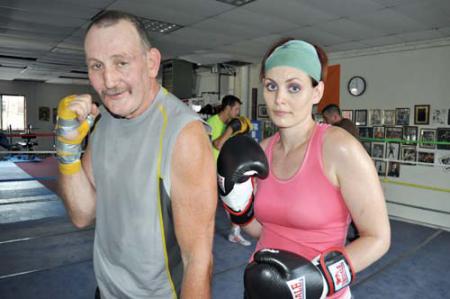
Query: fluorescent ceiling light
159, 26
236, 2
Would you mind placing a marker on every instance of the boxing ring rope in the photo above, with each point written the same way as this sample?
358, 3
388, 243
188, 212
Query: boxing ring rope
28, 152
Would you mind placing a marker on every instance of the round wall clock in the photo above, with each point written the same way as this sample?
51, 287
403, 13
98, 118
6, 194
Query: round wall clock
356, 86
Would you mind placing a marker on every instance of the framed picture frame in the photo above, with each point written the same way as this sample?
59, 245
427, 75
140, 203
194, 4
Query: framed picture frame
376, 117
444, 159
421, 114
268, 128
262, 111
448, 117
378, 132
365, 132
381, 167
318, 118
378, 149
389, 118
427, 138
367, 146
395, 133
361, 117
408, 153
393, 169
392, 150
438, 116
347, 114
425, 157
44, 113
410, 134
54, 115
443, 135
402, 116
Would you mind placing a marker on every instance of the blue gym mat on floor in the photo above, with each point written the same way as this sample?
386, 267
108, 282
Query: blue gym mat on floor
43, 256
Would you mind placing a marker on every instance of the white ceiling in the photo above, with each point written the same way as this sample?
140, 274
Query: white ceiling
43, 40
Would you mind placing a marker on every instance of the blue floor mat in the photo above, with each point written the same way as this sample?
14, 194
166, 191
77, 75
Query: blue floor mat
75, 281
424, 275
404, 236
46, 252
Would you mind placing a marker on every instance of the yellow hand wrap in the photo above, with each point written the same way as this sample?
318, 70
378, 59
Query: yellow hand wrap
69, 136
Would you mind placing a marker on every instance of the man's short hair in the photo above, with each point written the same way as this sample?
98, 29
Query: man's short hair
230, 100
111, 17
331, 108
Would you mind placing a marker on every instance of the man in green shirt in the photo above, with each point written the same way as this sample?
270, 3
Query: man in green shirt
230, 109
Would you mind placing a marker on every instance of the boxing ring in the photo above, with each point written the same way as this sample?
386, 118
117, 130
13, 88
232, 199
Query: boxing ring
43, 255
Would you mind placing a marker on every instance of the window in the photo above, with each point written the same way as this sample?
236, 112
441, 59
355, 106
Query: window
13, 112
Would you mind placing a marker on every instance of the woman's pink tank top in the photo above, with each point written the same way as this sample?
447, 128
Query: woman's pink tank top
305, 214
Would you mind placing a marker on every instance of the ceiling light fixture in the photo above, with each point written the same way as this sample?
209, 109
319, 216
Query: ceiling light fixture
236, 2
159, 26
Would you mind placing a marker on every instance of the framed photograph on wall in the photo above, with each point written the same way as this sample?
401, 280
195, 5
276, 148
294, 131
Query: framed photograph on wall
367, 146
54, 115
402, 116
421, 114
392, 150
425, 157
410, 134
376, 117
394, 133
381, 167
365, 132
262, 111
378, 132
393, 169
44, 113
347, 114
444, 159
318, 117
438, 116
378, 149
427, 138
361, 117
443, 135
389, 118
408, 153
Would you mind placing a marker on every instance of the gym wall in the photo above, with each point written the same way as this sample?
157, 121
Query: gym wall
401, 78
39, 95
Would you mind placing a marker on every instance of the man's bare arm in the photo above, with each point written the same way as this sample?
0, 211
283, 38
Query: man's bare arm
194, 200
78, 193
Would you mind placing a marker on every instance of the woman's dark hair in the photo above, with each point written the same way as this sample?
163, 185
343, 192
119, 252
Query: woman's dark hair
320, 52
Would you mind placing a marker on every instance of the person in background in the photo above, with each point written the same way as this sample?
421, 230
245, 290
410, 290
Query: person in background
319, 178
223, 125
147, 175
333, 116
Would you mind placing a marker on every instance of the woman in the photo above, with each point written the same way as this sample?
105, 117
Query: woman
320, 176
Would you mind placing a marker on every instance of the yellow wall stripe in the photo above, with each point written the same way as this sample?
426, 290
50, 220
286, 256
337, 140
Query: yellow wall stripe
419, 186
161, 222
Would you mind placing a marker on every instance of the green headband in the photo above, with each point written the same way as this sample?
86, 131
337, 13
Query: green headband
297, 54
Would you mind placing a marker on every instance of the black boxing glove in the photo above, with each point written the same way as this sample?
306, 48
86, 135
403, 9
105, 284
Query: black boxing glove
240, 125
240, 159
336, 269
282, 274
